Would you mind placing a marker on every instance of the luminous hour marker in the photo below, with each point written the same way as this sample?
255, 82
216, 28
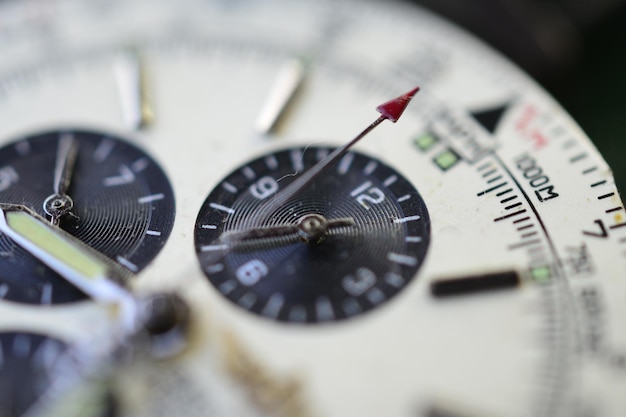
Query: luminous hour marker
273, 306
229, 187
103, 150
139, 165
249, 173
474, 283
214, 248
351, 307
344, 163
370, 167
214, 269
407, 219
220, 207
153, 233
128, 264
21, 346
151, 198
360, 189
288, 82
296, 160
22, 147
271, 162
46, 294
324, 309
389, 181
132, 83
297, 313
228, 286
402, 259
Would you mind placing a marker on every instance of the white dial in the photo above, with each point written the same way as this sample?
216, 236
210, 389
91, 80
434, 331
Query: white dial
516, 308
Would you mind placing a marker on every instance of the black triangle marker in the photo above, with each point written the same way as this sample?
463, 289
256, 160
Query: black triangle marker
490, 118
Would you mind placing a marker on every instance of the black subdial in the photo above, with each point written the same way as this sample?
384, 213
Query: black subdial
27, 368
343, 245
97, 187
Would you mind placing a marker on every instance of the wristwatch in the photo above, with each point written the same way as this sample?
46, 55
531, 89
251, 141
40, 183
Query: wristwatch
295, 208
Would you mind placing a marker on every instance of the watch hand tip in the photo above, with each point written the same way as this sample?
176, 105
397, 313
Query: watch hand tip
393, 109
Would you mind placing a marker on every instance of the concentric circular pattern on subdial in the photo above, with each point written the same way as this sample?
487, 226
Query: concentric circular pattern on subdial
123, 207
374, 240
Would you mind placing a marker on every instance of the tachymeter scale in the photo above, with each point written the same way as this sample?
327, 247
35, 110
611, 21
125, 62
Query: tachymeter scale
347, 243
122, 205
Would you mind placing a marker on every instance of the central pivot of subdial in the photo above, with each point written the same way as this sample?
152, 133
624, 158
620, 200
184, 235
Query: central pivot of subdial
314, 227
310, 228
57, 205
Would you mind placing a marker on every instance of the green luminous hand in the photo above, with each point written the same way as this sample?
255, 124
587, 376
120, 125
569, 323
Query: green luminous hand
91, 272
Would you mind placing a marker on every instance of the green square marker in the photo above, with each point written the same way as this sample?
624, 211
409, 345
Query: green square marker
446, 159
541, 274
425, 141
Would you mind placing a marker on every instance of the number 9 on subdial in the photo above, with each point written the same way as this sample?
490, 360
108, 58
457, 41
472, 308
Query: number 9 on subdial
345, 244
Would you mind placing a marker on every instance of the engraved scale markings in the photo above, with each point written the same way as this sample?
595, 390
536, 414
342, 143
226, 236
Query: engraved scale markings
510, 202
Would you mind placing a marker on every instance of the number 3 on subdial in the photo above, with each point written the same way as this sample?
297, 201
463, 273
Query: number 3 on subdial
106, 192
345, 244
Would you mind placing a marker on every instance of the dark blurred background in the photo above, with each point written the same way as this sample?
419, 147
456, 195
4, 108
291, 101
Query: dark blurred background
575, 48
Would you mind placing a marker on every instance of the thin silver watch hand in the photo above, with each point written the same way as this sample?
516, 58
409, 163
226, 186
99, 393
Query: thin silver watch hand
390, 110
60, 203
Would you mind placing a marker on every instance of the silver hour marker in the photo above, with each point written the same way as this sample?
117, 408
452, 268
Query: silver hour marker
132, 84
214, 269
21, 346
22, 148
407, 219
274, 305
229, 187
103, 150
128, 264
290, 78
324, 309
214, 248
220, 207
46, 294
151, 198
402, 259
271, 162
344, 163
297, 313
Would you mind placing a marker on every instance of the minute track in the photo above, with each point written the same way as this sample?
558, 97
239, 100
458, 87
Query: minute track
341, 270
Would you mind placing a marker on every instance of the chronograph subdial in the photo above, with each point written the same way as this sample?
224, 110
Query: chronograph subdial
97, 187
344, 244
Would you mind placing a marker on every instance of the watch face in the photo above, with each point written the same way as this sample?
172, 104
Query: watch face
467, 260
